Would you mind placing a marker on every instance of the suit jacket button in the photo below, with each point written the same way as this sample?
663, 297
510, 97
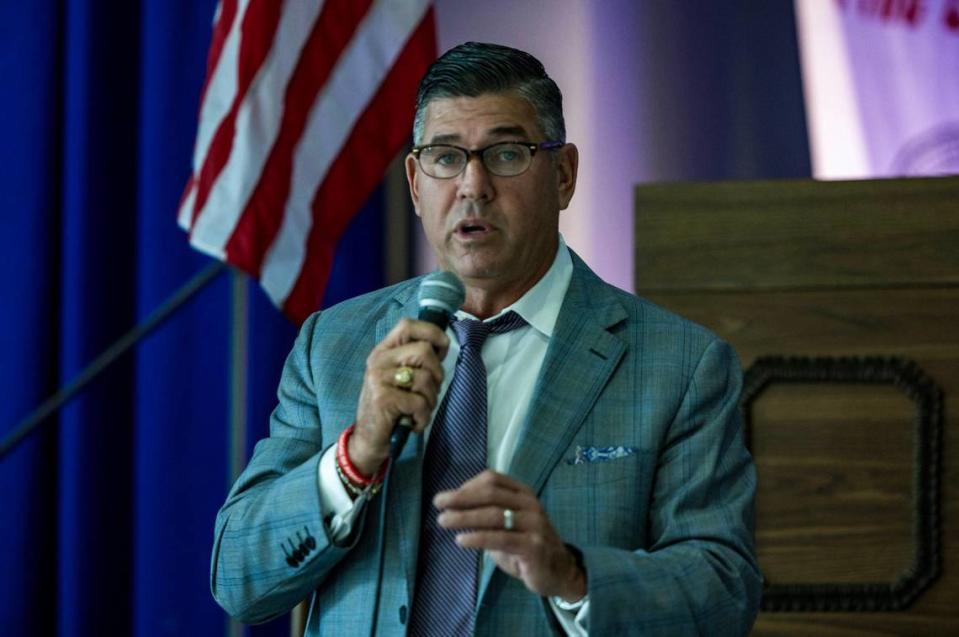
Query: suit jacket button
304, 549
310, 540
403, 614
292, 561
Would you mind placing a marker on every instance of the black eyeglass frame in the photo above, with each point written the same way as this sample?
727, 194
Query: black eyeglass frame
478, 153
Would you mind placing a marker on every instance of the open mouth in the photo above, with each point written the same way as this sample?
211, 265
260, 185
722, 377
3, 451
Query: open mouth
472, 228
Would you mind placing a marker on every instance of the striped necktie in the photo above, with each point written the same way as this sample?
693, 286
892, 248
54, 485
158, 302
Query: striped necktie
446, 575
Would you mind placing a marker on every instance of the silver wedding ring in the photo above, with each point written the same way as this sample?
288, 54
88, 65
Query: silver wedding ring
508, 523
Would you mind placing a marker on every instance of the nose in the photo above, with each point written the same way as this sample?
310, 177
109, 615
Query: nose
475, 182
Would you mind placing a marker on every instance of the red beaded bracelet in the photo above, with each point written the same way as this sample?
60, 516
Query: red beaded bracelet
348, 468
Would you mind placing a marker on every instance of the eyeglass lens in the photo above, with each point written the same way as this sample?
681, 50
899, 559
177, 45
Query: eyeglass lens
505, 160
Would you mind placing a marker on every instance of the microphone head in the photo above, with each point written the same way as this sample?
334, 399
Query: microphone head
441, 291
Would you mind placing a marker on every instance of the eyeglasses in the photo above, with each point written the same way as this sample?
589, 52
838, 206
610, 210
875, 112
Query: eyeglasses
505, 159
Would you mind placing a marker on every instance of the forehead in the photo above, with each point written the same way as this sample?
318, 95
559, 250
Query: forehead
474, 119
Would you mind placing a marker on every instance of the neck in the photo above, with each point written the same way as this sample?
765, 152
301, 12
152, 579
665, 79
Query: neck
482, 304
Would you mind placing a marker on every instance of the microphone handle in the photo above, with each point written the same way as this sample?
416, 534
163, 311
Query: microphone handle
401, 433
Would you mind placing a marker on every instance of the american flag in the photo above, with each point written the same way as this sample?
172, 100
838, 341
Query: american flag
305, 104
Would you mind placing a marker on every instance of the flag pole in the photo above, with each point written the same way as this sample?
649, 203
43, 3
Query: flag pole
239, 353
26, 426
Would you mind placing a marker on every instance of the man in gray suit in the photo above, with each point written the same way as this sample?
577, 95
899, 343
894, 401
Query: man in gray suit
617, 495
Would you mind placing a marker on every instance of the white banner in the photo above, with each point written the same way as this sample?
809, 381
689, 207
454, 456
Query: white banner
881, 84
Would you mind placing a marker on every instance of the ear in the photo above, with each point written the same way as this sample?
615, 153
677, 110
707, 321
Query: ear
567, 165
411, 179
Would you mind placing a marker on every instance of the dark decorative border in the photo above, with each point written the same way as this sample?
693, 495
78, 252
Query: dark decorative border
927, 395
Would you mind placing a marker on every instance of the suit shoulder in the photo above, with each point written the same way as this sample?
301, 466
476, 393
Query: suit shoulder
641, 312
664, 334
656, 315
351, 323
368, 306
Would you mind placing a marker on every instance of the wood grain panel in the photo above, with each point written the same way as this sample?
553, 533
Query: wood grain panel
834, 502
854, 625
797, 234
918, 324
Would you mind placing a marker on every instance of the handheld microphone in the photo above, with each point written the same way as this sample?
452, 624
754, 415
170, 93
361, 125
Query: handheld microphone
440, 295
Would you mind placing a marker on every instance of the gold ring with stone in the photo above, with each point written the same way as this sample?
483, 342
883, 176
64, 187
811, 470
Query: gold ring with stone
509, 522
403, 377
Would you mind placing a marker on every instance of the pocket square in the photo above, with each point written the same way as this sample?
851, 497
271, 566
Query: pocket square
600, 454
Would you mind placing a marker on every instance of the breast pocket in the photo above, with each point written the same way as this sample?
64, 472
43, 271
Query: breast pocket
599, 494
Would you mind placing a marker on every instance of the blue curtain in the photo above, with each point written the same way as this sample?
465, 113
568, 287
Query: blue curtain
107, 512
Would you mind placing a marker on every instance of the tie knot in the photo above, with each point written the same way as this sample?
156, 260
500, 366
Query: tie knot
472, 334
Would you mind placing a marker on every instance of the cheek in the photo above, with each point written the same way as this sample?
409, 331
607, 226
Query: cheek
433, 221
434, 199
534, 213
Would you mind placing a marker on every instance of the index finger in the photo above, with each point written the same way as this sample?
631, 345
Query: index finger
486, 488
409, 330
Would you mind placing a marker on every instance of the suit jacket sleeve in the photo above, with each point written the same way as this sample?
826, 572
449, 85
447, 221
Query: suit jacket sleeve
271, 546
698, 574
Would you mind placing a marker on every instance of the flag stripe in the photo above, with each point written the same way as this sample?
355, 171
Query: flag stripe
219, 91
226, 13
260, 222
379, 133
257, 29
258, 117
186, 203
356, 79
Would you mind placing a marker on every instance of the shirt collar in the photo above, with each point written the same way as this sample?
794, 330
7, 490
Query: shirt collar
540, 306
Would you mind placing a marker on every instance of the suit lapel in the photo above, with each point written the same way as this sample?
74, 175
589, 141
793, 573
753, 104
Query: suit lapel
581, 357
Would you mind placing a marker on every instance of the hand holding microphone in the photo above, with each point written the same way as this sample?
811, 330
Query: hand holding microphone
394, 398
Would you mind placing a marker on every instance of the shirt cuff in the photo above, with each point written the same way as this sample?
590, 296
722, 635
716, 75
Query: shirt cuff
573, 617
339, 509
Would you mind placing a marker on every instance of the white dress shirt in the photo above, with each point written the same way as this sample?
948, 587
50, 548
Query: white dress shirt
513, 361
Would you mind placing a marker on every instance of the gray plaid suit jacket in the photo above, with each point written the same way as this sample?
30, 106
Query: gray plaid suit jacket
633, 444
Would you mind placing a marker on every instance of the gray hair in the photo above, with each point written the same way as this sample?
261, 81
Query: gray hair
476, 68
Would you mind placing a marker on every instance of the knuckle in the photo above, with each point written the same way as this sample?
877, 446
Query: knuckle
378, 358
422, 348
416, 401
536, 540
380, 389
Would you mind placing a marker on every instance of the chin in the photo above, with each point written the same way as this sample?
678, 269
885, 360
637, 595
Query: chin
475, 274
468, 263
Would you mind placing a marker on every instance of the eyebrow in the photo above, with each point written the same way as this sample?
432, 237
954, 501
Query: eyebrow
499, 131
